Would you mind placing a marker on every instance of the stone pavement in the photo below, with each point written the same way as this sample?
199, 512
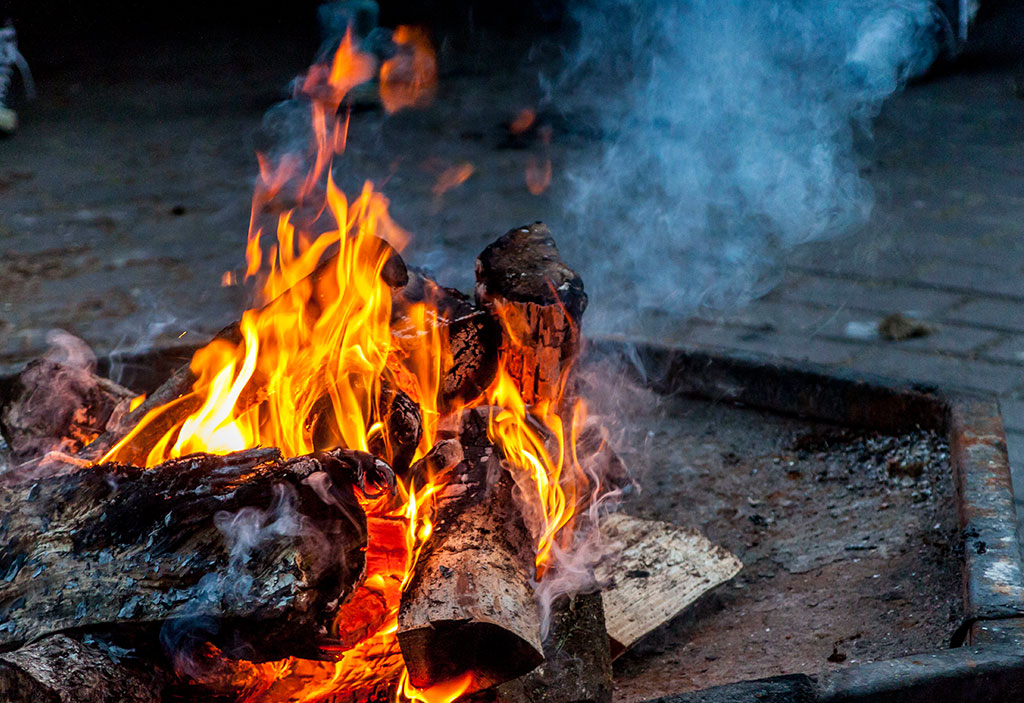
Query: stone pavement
945, 245
124, 199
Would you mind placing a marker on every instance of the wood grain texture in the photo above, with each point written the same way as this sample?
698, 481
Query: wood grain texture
540, 301
660, 570
470, 606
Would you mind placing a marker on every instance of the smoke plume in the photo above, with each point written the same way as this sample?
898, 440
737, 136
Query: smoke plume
728, 137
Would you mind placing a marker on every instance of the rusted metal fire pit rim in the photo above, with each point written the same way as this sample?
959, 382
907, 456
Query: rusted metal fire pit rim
986, 659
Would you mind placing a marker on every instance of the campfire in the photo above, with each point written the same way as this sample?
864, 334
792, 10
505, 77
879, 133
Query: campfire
371, 487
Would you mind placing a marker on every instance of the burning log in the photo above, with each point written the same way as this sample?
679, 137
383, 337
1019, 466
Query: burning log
521, 278
52, 406
396, 444
267, 547
469, 607
471, 335
174, 389
59, 669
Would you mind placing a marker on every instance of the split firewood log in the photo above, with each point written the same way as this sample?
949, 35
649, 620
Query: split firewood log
265, 547
658, 570
469, 606
60, 669
577, 665
540, 301
51, 406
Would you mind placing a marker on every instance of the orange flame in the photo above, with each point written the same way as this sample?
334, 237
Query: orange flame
409, 79
523, 121
445, 692
305, 370
541, 448
315, 354
452, 177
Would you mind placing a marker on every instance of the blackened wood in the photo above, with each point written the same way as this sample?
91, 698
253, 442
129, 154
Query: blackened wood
57, 407
469, 335
469, 606
403, 427
60, 669
264, 546
577, 665
540, 301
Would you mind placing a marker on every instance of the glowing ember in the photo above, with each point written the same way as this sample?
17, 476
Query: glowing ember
538, 172
452, 178
523, 121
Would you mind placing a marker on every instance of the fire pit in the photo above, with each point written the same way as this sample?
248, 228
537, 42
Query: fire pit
878, 533
373, 487
875, 520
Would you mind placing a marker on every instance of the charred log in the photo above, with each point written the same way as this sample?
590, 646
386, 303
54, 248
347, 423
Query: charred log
469, 333
60, 669
469, 607
396, 443
266, 547
56, 407
540, 301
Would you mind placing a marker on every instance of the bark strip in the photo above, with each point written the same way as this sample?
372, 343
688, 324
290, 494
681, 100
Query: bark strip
60, 669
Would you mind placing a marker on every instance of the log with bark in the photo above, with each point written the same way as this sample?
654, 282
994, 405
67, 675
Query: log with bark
265, 547
60, 669
540, 301
469, 606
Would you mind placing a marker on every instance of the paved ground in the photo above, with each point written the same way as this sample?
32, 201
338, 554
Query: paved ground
124, 199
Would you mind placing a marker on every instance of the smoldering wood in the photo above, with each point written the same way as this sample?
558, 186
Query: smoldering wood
577, 665
469, 606
523, 281
51, 406
658, 570
265, 547
60, 669
471, 336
